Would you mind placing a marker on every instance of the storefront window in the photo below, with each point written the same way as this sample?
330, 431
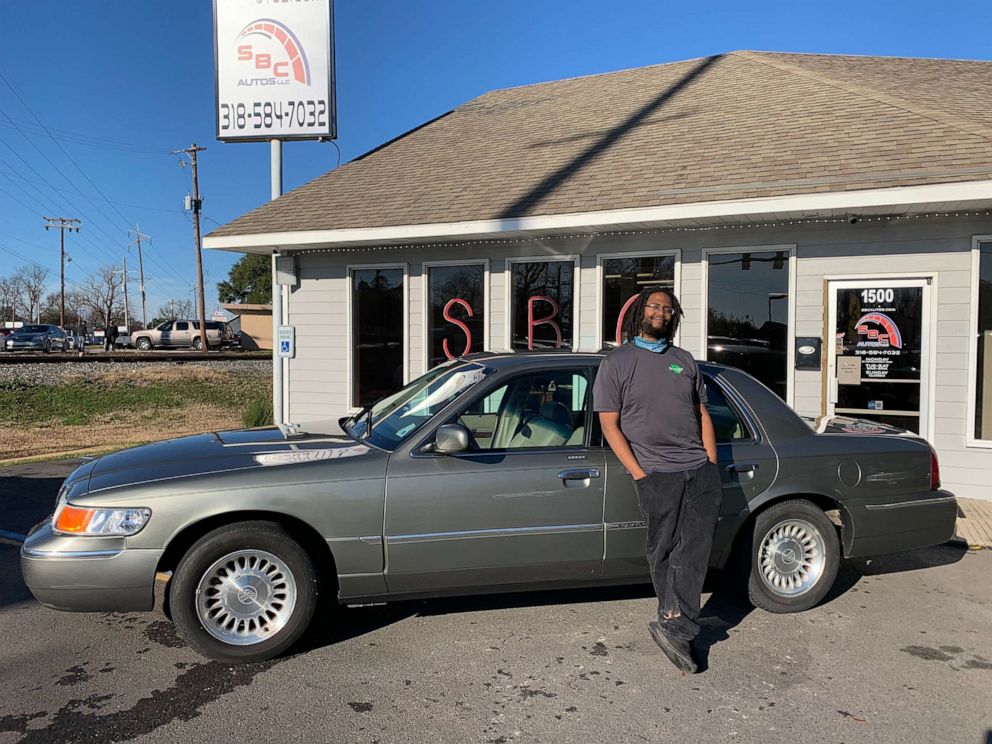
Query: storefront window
456, 312
623, 279
748, 316
983, 384
541, 304
377, 318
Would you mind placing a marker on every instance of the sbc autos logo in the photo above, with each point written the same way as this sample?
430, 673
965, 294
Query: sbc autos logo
269, 53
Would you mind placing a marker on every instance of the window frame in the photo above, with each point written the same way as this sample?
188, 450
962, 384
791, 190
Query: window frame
790, 250
426, 300
600, 275
972, 408
349, 320
590, 374
576, 294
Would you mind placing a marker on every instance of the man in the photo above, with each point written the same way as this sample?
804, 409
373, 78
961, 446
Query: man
652, 408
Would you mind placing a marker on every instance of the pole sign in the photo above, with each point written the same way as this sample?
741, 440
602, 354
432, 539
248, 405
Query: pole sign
274, 70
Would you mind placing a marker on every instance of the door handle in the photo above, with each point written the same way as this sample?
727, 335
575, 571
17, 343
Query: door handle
581, 474
741, 467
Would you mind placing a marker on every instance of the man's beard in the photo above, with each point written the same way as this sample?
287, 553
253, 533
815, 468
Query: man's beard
647, 329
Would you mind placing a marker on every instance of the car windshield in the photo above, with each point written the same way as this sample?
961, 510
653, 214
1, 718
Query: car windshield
399, 415
34, 329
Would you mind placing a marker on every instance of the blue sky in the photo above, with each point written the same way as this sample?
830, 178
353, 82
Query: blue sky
119, 83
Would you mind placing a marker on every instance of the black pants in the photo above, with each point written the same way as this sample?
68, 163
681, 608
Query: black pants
681, 510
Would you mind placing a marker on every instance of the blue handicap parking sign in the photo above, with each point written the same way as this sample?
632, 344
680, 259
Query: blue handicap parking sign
284, 346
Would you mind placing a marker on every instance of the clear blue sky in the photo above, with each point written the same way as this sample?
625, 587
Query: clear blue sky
121, 82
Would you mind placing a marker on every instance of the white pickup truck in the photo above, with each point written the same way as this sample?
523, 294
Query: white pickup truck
179, 334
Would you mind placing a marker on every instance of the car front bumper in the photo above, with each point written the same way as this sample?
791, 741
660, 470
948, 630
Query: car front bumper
902, 523
25, 345
88, 574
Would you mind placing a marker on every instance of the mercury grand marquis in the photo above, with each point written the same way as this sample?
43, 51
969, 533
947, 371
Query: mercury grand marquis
487, 474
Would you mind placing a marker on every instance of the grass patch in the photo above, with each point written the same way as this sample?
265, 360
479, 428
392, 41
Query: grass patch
258, 412
79, 402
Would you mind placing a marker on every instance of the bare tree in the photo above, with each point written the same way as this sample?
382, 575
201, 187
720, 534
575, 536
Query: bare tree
9, 292
176, 308
100, 292
50, 309
31, 282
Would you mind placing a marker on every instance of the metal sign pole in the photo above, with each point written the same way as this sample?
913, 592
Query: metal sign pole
275, 151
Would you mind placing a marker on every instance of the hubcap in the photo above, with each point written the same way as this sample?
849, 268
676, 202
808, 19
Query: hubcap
246, 597
791, 557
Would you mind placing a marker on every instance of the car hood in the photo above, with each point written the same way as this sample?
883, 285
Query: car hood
218, 452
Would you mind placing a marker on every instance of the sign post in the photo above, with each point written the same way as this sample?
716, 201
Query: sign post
274, 81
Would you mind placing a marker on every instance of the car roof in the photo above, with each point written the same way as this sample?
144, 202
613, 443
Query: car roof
562, 357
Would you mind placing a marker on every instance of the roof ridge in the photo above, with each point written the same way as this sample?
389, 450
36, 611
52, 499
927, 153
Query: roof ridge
958, 122
592, 75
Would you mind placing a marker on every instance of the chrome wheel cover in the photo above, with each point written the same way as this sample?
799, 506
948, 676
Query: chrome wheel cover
246, 597
791, 558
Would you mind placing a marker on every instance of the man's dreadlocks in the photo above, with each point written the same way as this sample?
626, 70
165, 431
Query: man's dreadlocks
635, 315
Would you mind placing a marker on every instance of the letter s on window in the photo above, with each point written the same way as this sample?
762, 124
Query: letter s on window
455, 321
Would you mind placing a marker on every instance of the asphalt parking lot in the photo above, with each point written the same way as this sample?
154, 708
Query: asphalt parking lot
900, 652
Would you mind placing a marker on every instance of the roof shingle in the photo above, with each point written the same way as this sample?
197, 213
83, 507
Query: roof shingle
741, 125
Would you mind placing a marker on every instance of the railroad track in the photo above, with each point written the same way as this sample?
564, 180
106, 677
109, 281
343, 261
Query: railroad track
129, 357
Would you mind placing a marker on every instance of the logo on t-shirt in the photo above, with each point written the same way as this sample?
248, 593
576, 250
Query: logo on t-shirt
675, 368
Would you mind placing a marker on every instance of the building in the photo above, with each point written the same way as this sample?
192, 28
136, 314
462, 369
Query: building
254, 322
825, 221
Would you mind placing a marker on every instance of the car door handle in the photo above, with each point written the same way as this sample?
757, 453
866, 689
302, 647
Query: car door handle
581, 474
741, 467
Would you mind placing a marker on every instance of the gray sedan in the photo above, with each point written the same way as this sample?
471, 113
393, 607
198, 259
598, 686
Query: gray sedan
487, 474
37, 337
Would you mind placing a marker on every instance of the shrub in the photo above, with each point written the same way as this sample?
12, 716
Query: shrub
258, 412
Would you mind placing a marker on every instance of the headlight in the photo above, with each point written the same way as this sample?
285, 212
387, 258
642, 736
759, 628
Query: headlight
78, 520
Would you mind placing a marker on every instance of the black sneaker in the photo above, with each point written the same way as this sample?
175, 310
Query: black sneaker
679, 652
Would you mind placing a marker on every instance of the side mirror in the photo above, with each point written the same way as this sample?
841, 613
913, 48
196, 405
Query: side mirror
450, 439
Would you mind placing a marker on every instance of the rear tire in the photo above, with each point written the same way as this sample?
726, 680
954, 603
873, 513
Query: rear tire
793, 558
244, 593
197, 344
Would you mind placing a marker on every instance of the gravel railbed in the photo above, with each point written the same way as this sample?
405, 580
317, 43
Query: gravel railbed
55, 374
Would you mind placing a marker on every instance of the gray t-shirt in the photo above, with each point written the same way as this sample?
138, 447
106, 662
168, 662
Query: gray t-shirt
657, 395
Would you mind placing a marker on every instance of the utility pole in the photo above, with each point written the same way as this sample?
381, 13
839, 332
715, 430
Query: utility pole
195, 203
138, 237
127, 320
62, 224
123, 273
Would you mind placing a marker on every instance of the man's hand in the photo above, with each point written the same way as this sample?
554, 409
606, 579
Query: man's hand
610, 423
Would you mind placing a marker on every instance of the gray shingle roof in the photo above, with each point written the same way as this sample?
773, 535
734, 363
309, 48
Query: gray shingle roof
735, 126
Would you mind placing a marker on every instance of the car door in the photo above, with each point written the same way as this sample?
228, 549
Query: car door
181, 335
523, 504
748, 466
165, 337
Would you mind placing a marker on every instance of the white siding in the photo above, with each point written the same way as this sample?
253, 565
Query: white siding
317, 307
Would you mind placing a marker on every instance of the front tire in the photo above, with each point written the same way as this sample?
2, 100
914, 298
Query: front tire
143, 344
244, 593
794, 556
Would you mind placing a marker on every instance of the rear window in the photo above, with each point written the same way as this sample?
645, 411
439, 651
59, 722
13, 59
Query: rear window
210, 325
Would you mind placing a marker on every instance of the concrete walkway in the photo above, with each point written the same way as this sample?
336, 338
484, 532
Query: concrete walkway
975, 523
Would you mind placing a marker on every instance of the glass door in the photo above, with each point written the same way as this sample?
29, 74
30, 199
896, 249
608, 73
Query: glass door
878, 361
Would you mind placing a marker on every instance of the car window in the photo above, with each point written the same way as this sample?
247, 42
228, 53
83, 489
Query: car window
34, 329
398, 416
727, 422
182, 326
165, 327
538, 409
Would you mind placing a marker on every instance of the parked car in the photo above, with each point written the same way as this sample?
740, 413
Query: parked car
37, 337
498, 479
179, 334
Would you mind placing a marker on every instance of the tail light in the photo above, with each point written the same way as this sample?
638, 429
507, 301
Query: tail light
934, 470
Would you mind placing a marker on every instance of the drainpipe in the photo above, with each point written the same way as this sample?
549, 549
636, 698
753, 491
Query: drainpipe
275, 151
